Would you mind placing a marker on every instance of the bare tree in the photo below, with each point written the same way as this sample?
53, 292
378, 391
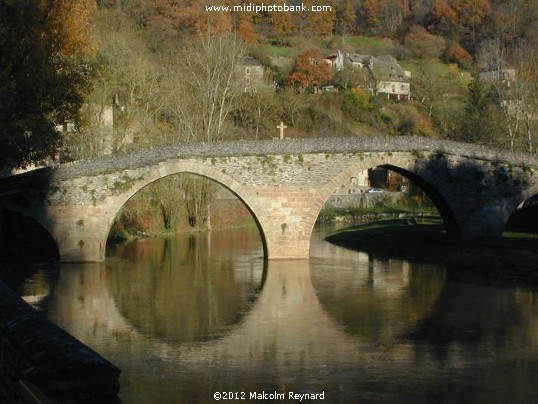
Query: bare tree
204, 85
502, 77
259, 111
526, 58
432, 88
202, 81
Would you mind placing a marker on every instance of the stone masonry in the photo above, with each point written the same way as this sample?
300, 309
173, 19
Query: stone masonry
284, 183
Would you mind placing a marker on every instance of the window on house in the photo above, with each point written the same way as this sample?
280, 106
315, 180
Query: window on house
247, 70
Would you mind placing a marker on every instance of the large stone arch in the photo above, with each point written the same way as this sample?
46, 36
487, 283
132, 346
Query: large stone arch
437, 196
180, 167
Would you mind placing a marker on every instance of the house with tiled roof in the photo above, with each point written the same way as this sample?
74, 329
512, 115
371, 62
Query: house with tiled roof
388, 77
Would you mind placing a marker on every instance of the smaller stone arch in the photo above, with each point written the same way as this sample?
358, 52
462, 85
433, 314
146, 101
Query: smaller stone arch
405, 165
439, 200
24, 237
524, 218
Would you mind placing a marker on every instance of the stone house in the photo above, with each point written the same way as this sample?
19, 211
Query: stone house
502, 73
390, 78
387, 75
358, 61
250, 75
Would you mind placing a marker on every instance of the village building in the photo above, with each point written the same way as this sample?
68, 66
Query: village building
335, 60
501, 73
378, 177
251, 75
503, 78
358, 61
387, 75
390, 78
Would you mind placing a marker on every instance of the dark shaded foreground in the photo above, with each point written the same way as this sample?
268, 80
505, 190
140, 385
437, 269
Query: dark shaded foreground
43, 363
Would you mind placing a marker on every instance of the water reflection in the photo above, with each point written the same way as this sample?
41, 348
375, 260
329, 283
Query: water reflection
377, 300
183, 289
189, 316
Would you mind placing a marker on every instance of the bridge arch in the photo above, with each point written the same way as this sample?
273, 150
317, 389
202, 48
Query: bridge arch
436, 196
405, 165
523, 217
26, 237
169, 169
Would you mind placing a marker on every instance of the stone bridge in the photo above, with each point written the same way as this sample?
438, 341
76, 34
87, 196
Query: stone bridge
284, 184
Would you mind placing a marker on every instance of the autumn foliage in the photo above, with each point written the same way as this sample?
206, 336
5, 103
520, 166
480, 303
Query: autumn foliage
45, 48
457, 54
310, 70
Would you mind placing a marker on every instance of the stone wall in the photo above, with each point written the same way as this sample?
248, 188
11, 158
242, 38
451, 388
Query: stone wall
40, 360
154, 155
362, 200
12, 367
284, 184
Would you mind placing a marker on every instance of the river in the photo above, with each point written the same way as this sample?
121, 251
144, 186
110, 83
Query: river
189, 316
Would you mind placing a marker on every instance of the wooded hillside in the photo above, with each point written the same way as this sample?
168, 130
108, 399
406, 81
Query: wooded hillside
84, 78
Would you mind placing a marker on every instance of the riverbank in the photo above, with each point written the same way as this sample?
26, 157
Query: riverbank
119, 237
359, 215
512, 258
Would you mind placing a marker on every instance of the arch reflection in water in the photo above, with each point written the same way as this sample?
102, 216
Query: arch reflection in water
187, 288
357, 328
381, 303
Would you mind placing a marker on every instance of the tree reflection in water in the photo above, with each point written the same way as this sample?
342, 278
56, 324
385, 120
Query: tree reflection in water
189, 316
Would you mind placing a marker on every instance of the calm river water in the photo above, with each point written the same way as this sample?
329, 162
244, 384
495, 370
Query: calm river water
189, 316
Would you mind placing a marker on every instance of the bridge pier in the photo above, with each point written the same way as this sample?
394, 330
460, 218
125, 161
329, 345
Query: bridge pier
485, 220
288, 241
286, 216
80, 232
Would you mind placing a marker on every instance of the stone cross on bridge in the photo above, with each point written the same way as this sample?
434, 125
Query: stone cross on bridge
281, 127
283, 184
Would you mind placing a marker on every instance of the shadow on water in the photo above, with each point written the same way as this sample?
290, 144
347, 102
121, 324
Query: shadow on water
468, 313
472, 197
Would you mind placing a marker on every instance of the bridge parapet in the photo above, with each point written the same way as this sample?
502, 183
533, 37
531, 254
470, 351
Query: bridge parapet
411, 144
